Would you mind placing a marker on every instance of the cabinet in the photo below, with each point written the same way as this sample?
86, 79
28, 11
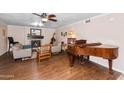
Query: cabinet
71, 40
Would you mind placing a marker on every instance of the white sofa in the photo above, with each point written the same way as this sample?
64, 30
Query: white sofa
19, 52
22, 53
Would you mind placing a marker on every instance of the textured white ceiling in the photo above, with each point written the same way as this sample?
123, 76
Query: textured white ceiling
28, 19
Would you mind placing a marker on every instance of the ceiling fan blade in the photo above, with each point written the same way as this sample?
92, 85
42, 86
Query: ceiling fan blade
53, 20
51, 15
37, 14
44, 15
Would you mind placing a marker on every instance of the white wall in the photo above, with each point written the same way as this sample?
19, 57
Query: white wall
3, 38
19, 33
47, 33
108, 29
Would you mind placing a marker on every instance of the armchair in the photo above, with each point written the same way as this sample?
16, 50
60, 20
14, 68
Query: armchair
11, 42
44, 52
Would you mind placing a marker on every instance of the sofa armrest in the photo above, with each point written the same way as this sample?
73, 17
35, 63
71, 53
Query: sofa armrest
56, 49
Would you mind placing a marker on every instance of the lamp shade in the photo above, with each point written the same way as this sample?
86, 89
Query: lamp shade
71, 34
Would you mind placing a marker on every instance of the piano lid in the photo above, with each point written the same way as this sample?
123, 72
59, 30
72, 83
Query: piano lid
104, 46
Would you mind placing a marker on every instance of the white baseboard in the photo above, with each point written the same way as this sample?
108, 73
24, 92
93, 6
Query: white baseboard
112, 68
118, 70
3, 52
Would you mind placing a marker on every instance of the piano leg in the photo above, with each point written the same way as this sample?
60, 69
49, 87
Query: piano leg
110, 66
81, 58
72, 60
88, 58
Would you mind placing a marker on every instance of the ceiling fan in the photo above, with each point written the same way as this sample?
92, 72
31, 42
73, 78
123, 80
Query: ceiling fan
45, 17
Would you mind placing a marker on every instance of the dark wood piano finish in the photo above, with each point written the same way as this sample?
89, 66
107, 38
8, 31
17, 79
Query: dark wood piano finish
108, 52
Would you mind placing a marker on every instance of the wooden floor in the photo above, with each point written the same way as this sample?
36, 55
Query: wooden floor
57, 68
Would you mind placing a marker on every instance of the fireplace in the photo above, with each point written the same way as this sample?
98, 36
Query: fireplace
35, 43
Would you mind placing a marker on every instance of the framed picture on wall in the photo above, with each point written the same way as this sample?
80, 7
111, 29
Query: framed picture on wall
35, 32
64, 34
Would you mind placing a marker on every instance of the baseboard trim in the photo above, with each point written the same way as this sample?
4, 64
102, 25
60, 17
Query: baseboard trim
118, 70
3, 53
112, 68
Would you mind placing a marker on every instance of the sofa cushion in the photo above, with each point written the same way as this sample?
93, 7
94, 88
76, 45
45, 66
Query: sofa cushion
17, 46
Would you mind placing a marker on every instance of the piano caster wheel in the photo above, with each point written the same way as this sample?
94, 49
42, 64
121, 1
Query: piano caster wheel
85, 60
71, 65
82, 63
111, 72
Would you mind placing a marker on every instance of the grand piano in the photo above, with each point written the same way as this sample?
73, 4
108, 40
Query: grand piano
81, 48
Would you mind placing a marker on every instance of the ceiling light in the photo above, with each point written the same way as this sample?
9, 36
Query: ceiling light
40, 24
35, 24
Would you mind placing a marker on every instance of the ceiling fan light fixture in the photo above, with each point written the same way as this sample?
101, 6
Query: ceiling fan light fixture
44, 19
